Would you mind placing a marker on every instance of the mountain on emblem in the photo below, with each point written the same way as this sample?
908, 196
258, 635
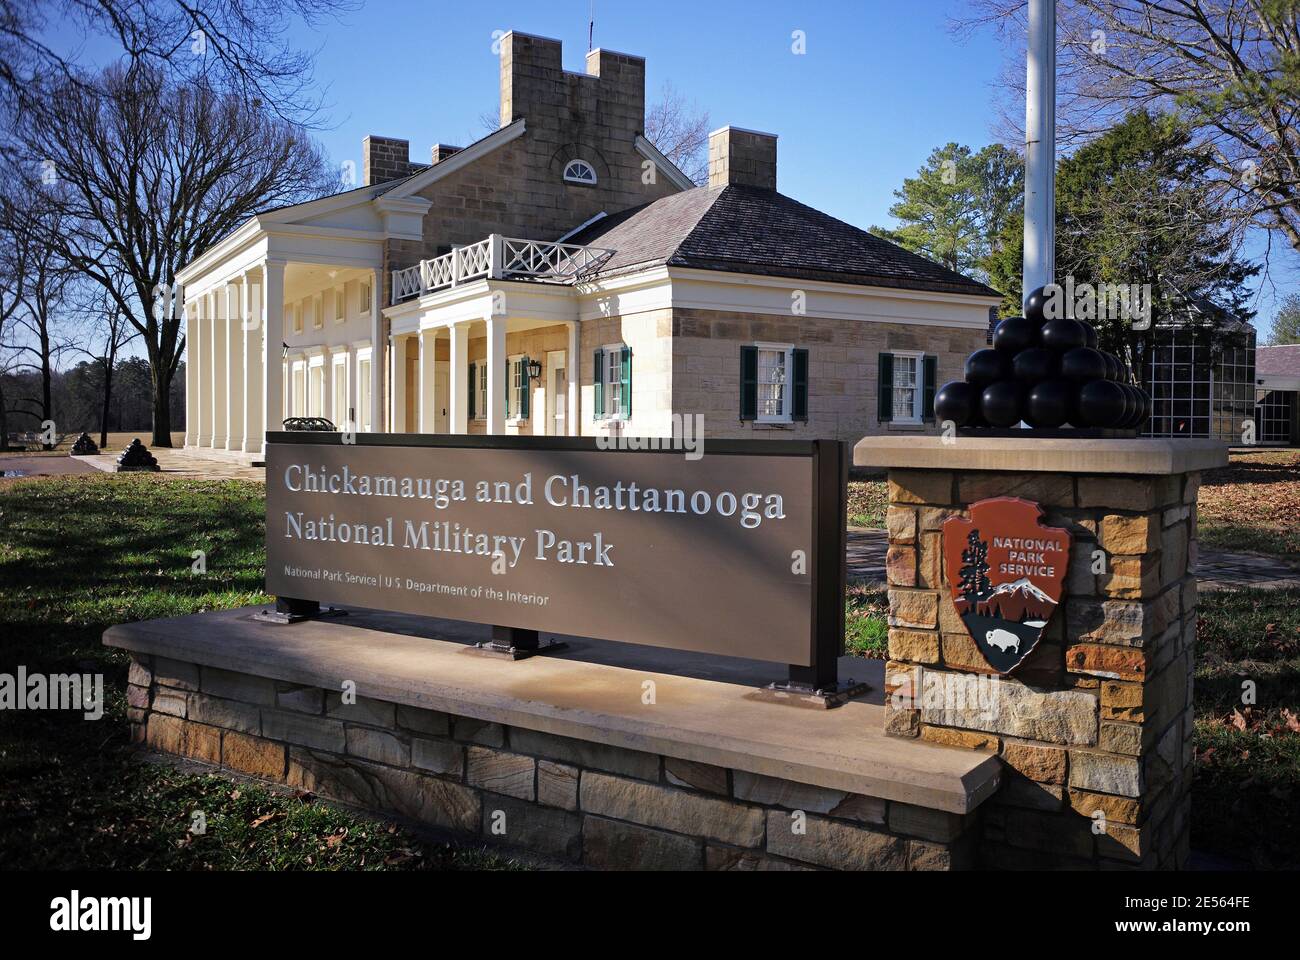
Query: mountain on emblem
1006, 570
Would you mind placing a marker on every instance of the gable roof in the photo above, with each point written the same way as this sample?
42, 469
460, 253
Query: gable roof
742, 229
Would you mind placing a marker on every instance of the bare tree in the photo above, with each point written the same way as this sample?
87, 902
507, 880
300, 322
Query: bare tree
107, 331
1230, 69
31, 336
681, 132
144, 174
237, 46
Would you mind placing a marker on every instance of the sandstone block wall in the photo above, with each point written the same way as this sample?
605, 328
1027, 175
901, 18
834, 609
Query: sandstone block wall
1095, 726
570, 800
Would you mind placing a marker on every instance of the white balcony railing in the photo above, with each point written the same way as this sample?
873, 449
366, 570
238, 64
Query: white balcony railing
499, 258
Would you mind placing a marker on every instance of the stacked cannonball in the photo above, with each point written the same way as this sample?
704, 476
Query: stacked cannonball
1047, 373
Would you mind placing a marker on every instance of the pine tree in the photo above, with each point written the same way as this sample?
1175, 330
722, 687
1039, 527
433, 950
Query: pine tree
975, 583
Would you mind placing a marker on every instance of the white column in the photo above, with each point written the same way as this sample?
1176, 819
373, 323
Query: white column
1040, 147
220, 355
428, 381
458, 385
251, 312
496, 383
193, 373
397, 350
273, 337
376, 356
234, 367
572, 424
202, 373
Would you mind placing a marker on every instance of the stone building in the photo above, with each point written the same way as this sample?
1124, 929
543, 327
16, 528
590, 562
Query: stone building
562, 277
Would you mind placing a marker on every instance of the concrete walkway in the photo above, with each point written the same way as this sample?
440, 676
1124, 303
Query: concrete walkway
181, 464
1216, 569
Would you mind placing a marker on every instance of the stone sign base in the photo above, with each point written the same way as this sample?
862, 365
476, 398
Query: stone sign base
592, 756
1095, 726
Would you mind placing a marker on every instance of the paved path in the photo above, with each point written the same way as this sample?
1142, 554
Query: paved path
1216, 569
41, 467
181, 464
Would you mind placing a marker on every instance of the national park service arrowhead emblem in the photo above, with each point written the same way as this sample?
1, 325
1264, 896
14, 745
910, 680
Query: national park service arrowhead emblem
1007, 570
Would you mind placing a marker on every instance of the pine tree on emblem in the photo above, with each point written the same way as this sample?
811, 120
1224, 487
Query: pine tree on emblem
975, 584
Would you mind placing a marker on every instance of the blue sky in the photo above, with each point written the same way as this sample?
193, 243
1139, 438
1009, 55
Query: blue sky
881, 84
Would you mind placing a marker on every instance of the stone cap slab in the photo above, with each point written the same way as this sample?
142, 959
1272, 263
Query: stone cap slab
1154, 456
694, 718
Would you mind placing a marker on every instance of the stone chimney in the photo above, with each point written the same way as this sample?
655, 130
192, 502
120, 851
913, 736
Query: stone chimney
386, 158
442, 151
742, 157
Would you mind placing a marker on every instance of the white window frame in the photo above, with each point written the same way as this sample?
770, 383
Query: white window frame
340, 305
918, 394
365, 375
295, 317
613, 353
365, 300
513, 370
341, 360
787, 395
480, 378
317, 313
577, 170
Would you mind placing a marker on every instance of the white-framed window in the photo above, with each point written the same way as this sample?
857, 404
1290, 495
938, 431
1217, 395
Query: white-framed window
613, 382
295, 318
478, 377
775, 377
317, 315
340, 399
908, 392
517, 372
365, 298
580, 171
338, 304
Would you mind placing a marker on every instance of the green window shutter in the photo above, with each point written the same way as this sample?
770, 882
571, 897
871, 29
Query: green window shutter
625, 375
473, 390
598, 379
928, 385
799, 402
885, 397
749, 383
525, 401
507, 389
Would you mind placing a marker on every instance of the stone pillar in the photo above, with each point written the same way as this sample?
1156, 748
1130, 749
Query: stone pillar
428, 402
496, 385
1095, 725
234, 366
273, 352
458, 386
220, 356
254, 363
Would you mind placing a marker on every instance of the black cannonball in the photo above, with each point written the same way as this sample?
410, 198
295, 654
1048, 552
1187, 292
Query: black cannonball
1048, 404
1140, 409
1002, 403
1102, 404
1130, 405
1084, 364
1064, 334
1090, 334
1036, 304
987, 366
1035, 365
1015, 334
956, 401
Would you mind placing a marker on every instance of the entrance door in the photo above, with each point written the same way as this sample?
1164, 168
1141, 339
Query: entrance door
441, 393
557, 395
412, 391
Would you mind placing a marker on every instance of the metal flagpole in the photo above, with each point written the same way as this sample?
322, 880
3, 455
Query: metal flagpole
1040, 147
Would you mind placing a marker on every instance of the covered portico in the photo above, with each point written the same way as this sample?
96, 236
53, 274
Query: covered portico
491, 356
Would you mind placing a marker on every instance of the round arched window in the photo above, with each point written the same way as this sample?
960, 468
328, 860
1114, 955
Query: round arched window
580, 171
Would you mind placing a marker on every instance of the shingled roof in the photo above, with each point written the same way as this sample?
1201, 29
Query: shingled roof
1279, 361
743, 229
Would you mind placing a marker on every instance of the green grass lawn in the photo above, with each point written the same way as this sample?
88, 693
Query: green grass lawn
78, 554
868, 500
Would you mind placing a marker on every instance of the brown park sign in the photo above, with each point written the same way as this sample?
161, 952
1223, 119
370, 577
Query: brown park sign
739, 552
1006, 569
